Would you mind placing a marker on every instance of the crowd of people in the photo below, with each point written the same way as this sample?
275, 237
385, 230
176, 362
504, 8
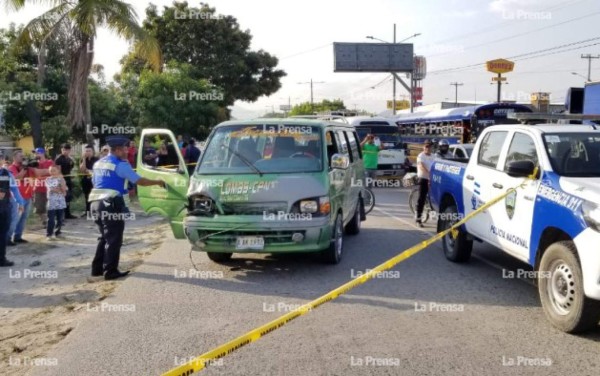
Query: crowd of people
47, 186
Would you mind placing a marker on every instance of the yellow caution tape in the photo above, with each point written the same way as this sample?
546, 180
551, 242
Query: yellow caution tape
225, 349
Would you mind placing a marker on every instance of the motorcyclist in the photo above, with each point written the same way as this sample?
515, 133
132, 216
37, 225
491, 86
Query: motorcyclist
442, 150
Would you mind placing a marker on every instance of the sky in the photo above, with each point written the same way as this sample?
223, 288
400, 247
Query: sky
453, 34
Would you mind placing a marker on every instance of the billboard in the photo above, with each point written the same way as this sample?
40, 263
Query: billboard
400, 105
373, 57
420, 66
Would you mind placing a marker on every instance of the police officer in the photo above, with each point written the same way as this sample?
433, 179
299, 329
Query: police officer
108, 207
8, 189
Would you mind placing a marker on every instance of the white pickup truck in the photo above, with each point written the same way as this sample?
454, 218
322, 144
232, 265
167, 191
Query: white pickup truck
552, 222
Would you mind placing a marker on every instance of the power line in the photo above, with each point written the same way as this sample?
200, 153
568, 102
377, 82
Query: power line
521, 56
502, 24
307, 51
520, 34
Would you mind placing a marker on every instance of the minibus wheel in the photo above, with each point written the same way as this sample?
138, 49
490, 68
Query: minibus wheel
333, 254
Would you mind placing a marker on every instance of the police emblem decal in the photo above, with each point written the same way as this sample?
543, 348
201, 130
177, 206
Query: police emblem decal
509, 204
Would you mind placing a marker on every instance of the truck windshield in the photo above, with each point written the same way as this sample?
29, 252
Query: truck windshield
574, 154
268, 148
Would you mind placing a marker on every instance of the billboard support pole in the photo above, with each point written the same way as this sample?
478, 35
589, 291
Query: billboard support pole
499, 86
394, 82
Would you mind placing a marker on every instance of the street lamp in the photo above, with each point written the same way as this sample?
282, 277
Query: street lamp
393, 77
580, 75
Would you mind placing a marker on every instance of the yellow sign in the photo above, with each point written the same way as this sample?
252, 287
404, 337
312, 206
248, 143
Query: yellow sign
400, 105
498, 78
500, 66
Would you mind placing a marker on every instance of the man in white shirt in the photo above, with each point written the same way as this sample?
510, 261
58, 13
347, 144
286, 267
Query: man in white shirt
424, 162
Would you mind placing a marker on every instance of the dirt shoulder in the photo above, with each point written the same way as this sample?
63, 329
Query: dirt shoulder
50, 284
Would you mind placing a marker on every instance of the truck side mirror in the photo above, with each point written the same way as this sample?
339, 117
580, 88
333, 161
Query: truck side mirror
520, 169
340, 161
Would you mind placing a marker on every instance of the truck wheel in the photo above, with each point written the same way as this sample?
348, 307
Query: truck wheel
560, 285
333, 254
455, 250
219, 256
353, 227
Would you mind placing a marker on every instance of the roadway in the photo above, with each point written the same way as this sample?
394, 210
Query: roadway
428, 317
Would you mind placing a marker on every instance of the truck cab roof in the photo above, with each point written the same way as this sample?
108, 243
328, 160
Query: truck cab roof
548, 128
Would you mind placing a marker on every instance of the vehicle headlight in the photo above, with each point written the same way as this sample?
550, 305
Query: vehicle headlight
201, 205
309, 206
591, 215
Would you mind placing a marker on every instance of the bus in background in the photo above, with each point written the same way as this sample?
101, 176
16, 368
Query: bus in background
456, 125
392, 161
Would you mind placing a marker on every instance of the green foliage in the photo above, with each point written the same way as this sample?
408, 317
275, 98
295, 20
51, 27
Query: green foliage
325, 105
216, 49
176, 101
20, 95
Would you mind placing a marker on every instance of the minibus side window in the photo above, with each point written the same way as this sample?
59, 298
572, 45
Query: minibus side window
332, 145
354, 156
344, 144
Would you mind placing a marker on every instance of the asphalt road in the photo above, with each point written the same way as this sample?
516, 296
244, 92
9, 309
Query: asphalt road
429, 317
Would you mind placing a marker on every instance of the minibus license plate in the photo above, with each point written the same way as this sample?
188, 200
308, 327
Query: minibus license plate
250, 242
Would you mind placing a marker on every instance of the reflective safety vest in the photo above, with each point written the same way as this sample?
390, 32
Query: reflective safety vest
107, 184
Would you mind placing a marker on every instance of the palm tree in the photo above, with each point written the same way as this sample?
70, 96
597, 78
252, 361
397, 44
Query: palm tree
80, 20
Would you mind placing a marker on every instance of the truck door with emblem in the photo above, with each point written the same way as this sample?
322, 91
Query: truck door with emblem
170, 167
513, 216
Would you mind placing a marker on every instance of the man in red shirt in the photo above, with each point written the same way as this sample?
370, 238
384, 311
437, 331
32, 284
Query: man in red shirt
39, 190
24, 176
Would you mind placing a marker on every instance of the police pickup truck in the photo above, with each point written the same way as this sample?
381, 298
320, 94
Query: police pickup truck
552, 221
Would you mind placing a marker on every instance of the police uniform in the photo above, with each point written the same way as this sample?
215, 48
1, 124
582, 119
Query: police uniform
109, 208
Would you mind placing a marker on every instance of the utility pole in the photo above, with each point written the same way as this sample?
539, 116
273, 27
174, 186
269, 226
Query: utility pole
456, 85
589, 59
394, 82
311, 90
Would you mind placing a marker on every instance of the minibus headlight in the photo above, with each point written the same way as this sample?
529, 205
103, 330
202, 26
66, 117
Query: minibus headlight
309, 206
591, 215
201, 205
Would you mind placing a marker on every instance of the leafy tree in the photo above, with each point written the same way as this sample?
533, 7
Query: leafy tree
80, 21
28, 92
326, 105
174, 100
216, 49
